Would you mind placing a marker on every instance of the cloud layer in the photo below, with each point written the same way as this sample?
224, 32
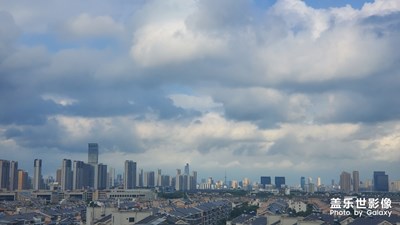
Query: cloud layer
222, 85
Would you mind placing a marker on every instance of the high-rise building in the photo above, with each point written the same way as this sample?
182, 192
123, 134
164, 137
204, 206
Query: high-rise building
93, 160
78, 177
264, 180
22, 180
66, 175
303, 183
158, 178
140, 178
111, 177
246, 183
4, 174
356, 181
148, 179
130, 174
381, 181
187, 169
58, 176
13, 175
37, 174
93, 153
101, 177
318, 181
345, 182
165, 180
194, 181
280, 182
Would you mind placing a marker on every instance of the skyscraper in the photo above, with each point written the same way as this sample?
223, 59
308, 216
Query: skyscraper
345, 182
381, 181
66, 175
264, 180
303, 183
101, 183
140, 178
37, 174
58, 176
130, 174
158, 178
111, 177
13, 175
279, 181
187, 169
22, 180
93, 153
356, 181
78, 176
148, 179
4, 174
194, 181
93, 160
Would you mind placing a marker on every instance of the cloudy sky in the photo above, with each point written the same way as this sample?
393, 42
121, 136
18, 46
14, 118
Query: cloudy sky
251, 87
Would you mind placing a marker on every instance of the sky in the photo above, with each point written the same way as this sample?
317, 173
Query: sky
248, 87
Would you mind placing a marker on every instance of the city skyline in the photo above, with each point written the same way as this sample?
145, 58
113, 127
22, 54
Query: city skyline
130, 165
271, 88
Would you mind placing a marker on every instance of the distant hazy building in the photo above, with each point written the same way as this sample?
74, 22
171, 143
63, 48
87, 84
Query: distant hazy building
101, 178
356, 181
165, 180
130, 174
66, 175
140, 179
37, 174
246, 183
93, 153
280, 182
148, 179
235, 184
158, 178
193, 185
23, 183
345, 182
4, 174
303, 183
381, 181
264, 180
13, 175
79, 177
111, 177
318, 181
187, 169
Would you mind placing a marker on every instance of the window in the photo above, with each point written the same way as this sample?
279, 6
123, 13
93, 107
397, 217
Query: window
131, 219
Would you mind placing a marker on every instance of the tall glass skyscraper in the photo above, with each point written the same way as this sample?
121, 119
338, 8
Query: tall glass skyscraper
265, 180
130, 174
4, 174
66, 175
93, 153
303, 183
356, 181
187, 169
381, 181
13, 175
279, 181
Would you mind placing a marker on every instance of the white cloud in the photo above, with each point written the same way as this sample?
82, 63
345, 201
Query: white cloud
199, 103
171, 42
60, 100
380, 7
87, 26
